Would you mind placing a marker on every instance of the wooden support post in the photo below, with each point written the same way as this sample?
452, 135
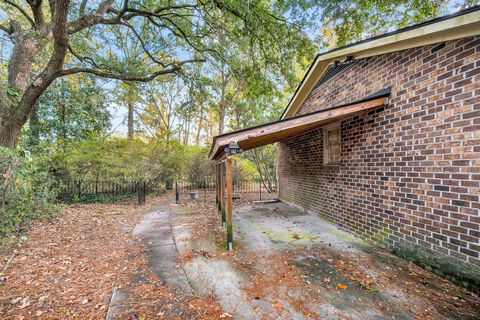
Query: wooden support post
223, 193
229, 200
217, 186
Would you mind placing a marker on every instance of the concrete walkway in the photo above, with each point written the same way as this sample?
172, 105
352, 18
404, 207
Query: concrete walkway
155, 232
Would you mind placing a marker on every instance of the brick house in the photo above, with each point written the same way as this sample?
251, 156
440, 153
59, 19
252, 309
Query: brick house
382, 138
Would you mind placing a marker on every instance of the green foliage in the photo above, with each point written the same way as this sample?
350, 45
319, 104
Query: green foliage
265, 162
118, 159
73, 109
11, 91
26, 192
344, 21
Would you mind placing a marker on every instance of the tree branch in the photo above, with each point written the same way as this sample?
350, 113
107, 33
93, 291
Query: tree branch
88, 21
103, 7
83, 5
142, 43
173, 67
84, 58
23, 12
60, 47
36, 7
5, 29
125, 13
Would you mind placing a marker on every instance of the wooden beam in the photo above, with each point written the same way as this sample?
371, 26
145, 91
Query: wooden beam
229, 200
223, 192
282, 130
217, 187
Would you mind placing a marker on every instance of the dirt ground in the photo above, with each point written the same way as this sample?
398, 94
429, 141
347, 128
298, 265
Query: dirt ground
70, 266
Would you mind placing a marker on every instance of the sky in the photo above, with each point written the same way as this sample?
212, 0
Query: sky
118, 113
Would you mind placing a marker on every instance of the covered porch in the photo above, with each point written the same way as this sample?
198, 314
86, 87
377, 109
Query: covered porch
225, 146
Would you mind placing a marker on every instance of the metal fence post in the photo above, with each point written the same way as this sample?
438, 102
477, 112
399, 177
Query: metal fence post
260, 188
205, 186
177, 196
141, 192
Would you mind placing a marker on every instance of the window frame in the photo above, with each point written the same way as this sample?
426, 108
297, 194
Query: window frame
326, 150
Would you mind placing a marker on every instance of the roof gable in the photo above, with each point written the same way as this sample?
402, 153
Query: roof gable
462, 24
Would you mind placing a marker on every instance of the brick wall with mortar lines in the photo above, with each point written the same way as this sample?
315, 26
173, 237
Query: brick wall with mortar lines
410, 173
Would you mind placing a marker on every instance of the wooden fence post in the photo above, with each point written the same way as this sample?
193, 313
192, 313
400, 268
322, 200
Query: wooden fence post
223, 193
229, 200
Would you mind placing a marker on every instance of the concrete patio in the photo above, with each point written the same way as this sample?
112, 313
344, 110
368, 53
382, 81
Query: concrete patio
289, 264
305, 267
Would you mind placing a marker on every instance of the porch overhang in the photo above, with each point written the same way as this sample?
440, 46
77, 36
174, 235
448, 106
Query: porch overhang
277, 131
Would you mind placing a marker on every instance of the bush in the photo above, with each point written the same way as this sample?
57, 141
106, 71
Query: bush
26, 192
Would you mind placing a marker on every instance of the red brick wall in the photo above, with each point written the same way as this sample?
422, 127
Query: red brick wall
410, 173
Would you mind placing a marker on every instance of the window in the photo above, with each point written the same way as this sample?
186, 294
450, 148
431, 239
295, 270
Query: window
332, 144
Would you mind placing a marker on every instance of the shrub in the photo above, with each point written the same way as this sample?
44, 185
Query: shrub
26, 192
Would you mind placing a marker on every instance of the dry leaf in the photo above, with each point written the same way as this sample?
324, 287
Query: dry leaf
342, 286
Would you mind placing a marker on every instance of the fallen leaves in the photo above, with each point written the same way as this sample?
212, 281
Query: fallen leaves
68, 265
225, 315
342, 286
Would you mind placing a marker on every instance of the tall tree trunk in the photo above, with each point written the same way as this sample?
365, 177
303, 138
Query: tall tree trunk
34, 126
130, 121
187, 131
9, 132
200, 125
63, 119
221, 120
24, 53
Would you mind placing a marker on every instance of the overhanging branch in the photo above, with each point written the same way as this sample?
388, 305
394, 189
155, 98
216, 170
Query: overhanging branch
174, 67
22, 12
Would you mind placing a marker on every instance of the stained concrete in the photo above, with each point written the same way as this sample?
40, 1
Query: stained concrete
282, 226
265, 229
155, 231
115, 305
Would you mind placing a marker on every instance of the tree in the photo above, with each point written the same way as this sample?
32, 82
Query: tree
161, 108
127, 94
71, 109
61, 37
345, 21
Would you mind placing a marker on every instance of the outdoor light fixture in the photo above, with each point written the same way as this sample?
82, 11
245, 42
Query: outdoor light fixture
233, 148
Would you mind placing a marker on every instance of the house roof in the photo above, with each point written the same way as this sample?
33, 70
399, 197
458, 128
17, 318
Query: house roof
283, 129
461, 24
